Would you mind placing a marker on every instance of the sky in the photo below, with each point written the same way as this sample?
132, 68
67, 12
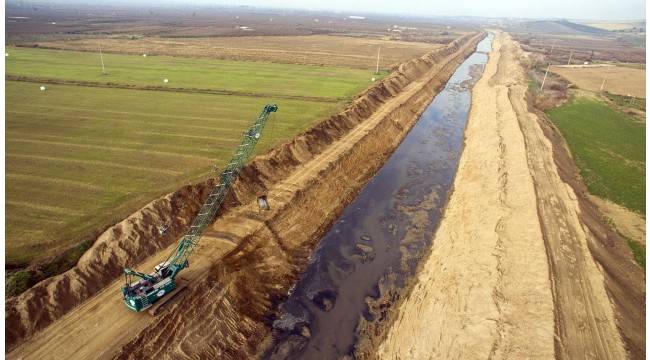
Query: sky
556, 9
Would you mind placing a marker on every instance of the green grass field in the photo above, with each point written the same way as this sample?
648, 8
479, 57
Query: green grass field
264, 79
640, 66
78, 158
609, 148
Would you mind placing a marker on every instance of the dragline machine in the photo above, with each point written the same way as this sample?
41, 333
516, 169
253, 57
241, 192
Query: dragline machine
148, 288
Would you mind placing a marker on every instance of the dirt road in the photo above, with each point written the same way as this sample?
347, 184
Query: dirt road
512, 273
308, 181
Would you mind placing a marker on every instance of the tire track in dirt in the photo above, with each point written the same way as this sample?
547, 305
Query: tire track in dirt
584, 318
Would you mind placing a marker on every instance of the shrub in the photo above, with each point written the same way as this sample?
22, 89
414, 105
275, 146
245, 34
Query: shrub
19, 282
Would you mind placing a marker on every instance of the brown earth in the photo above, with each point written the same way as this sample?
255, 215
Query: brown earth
620, 80
522, 265
249, 259
327, 50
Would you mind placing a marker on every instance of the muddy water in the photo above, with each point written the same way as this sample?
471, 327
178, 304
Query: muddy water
382, 234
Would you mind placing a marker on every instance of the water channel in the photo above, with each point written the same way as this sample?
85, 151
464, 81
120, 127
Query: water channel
383, 233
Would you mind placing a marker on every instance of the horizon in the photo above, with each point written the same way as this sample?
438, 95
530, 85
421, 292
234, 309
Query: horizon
581, 10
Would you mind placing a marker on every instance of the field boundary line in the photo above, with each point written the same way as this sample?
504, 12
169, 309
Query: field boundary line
170, 89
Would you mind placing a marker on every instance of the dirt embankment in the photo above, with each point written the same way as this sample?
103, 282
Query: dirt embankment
624, 280
522, 266
125, 244
308, 181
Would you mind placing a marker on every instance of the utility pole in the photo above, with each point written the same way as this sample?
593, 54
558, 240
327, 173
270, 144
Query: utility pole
102, 57
378, 50
571, 55
603, 84
544, 81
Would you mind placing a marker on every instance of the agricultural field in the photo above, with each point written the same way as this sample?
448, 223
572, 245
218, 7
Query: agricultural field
330, 50
615, 25
604, 130
61, 22
624, 81
560, 43
81, 157
94, 147
256, 78
608, 147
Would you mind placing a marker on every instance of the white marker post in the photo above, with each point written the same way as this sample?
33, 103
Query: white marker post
553, 46
377, 71
544, 81
102, 57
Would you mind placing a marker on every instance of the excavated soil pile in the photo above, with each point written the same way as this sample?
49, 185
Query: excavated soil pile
308, 181
125, 244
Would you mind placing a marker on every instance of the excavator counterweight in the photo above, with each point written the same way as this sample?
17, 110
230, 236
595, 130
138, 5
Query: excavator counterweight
142, 290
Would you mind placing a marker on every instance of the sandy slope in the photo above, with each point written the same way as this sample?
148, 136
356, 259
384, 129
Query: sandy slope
510, 274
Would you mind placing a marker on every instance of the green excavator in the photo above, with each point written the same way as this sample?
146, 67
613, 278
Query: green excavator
141, 291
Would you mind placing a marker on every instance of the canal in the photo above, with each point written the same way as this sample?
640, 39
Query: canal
376, 244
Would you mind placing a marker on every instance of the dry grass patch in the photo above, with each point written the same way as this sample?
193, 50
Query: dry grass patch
342, 51
620, 80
